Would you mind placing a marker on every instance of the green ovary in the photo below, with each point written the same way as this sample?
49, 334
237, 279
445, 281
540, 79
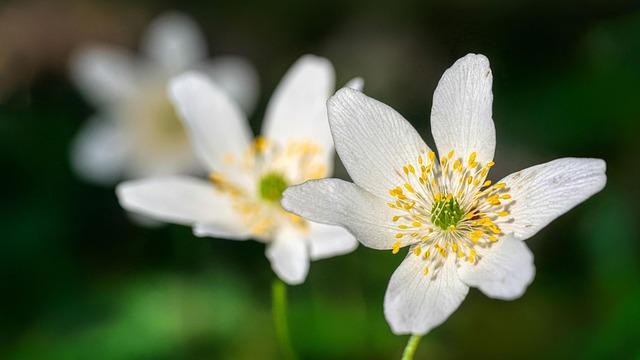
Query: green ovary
271, 187
446, 213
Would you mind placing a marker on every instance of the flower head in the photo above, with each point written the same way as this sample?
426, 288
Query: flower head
137, 132
462, 229
247, 177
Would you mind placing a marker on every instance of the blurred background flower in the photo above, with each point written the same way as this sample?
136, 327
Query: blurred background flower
79, 281
138, 133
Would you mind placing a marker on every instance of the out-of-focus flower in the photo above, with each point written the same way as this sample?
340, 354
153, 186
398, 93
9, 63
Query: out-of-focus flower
247, 178
462, 230
137, 132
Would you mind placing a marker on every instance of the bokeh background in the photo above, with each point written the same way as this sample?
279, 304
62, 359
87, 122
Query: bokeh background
81, 281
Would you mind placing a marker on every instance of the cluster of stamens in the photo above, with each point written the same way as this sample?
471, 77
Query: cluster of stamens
447, 206
272, 167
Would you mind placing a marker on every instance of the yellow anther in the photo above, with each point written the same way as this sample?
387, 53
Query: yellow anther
399, 235
425, 271
490, 164
395, 218
503, 213
454, 247
493, 238
472, 158
437, 197
506, 196
391, 205
426, 255
396, 248
450, 154
420, 159
432, 156
417, 250
405, 169
261, 144
457, 165
469, 179
476, 235
449, 197
487, 183
412, 169
472, 256
416, 224
409, 188
500, 185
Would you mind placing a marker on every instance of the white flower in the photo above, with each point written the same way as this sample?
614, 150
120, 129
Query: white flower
247, 177
137, 132
462, 230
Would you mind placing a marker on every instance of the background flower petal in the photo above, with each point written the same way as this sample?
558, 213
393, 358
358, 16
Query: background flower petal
289, 256
99, 151
180, 200
217, 127
237, 77
296, 105
326, 241
174, 41
105, 74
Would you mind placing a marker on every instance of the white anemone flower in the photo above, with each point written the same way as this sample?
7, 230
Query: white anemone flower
462, 229
136, 132
241, 200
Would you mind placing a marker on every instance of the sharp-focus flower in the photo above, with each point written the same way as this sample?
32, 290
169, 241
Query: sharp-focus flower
462, 229
247, 178
136, 132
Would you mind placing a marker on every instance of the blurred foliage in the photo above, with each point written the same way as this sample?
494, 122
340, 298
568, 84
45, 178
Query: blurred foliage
79, 280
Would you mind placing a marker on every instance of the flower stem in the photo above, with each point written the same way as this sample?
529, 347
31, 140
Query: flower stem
279, 309
412, 346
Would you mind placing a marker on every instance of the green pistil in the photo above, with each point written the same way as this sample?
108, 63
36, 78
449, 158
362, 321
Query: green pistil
271, 187
445, 213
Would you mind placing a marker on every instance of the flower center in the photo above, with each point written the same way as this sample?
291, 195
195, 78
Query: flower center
274, 166
271, 186
447, 206
446, 213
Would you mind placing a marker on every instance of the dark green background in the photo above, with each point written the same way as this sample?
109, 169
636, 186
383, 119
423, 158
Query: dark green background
79, 281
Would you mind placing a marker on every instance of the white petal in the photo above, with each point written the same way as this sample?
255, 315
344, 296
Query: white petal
289, 256
356, 83
237, 77
543, 192
295, 107
373, 140
461, 113
338, 202
104, 74
180, 200
99, 152
503, 271
216, 125
326, 241
174, 41
225, 232
416, 303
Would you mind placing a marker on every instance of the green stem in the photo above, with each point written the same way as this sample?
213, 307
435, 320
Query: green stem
412, 346
279, 303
